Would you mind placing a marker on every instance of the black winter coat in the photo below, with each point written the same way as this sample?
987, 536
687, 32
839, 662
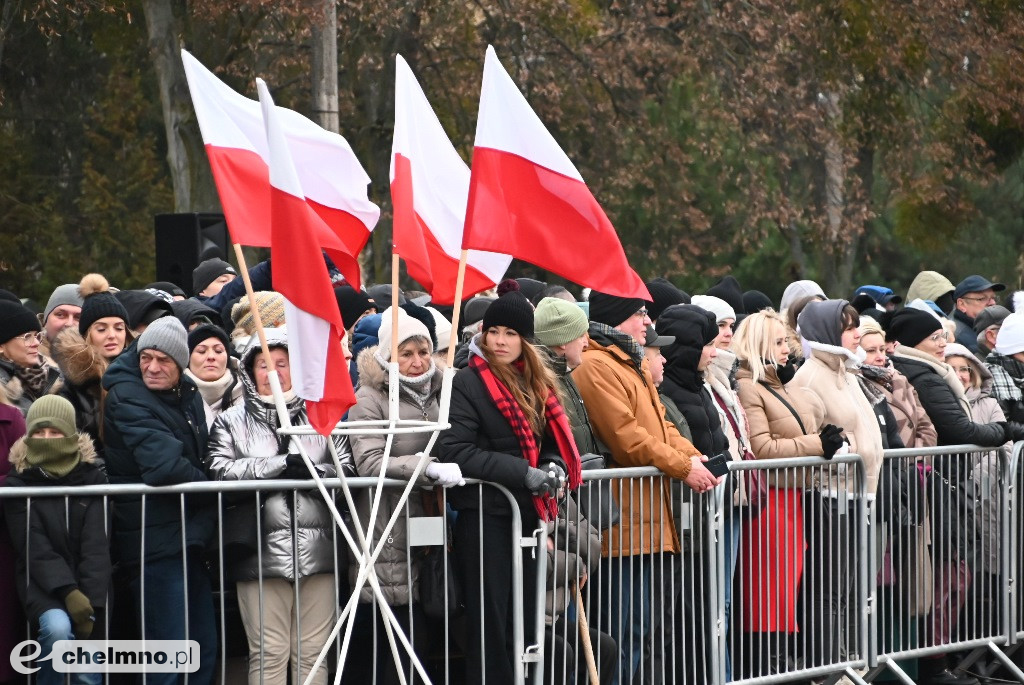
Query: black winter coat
952, 423
63, 545
155, 438
482, 443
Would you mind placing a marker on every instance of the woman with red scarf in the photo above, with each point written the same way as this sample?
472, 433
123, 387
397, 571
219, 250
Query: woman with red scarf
508, 427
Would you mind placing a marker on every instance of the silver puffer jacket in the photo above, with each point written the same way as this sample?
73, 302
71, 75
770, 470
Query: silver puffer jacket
296, 527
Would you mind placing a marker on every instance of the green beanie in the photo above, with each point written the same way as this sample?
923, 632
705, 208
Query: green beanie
557, 322
51, 411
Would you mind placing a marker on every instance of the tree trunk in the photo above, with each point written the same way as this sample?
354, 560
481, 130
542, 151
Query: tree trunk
162, 28
325, 67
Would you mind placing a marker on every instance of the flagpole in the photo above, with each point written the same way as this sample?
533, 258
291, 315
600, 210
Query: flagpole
460, 281
257, 319
394, 306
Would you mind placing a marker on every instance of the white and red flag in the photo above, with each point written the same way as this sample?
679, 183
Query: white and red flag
429, 188
319, 371
527, 199
333, 180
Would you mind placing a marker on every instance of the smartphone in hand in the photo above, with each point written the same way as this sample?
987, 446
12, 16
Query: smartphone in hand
718, 465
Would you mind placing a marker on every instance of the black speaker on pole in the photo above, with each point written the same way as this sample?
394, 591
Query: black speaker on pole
185, 240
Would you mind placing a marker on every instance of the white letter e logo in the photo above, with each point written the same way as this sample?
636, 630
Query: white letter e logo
18, 661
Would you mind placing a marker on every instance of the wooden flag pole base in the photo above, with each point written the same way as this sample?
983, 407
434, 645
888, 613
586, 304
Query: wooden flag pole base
257, 319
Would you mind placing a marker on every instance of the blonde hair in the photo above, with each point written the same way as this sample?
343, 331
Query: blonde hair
529, 388
753, 341
869, 326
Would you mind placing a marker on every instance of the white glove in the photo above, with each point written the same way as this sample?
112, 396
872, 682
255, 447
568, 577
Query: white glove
445, 475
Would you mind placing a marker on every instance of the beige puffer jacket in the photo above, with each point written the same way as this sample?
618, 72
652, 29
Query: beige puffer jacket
392, 565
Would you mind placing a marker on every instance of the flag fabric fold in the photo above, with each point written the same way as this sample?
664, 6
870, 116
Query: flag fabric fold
319, 371
527, 199
332, 178
429, 189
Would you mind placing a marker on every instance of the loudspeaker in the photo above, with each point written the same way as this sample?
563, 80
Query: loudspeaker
185, 240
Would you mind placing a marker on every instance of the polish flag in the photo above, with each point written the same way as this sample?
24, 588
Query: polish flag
527, 199
236, 143
319, 371
429, 188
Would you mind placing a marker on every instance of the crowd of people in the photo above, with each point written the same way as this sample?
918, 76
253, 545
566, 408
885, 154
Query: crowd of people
154, 387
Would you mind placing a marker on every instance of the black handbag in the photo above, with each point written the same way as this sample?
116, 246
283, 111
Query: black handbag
239, 522
439, 588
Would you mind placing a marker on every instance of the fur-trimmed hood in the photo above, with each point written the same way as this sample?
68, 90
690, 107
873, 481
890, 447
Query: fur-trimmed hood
373, 375
19, 453
81, 363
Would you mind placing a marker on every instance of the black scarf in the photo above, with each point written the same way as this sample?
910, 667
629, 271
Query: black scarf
610, 337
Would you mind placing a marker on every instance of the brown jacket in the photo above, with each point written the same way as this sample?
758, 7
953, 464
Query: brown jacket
915, 426
774, 431
627, 416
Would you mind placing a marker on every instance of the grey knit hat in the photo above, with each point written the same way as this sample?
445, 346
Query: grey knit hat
166, 335
64, 294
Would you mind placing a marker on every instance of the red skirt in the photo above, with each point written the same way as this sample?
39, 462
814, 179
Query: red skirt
771, 562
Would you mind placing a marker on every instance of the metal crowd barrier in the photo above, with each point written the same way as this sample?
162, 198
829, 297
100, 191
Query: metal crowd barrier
821, 582
799, 576
441, 640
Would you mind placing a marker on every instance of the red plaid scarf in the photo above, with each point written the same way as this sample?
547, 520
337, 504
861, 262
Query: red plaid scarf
557, 423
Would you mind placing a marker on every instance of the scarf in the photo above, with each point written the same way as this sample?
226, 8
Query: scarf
56, 456
215, 391
882, 375
557, 423
33, 378
784, 372
608, 336
1012, 366
418, 388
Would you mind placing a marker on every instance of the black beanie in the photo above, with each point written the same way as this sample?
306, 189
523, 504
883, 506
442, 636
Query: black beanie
16, 319
9, 296
665, 295
352, 303
205, 332
755, 301
511, 310
143, 307
612, 310
728, 289
208, 272
530, 287
98, 302
910, 326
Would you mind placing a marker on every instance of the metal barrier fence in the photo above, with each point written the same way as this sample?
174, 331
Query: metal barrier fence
799, 575
237, 601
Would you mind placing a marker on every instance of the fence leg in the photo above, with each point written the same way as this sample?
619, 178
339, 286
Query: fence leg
900, 673
1005, 660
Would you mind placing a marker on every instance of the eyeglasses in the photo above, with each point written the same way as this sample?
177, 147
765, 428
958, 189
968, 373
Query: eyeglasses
642, 312
963, 369
936, 337
31, 337
987, 300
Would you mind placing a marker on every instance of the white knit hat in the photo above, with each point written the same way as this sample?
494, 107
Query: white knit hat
408, 327
1010, 339
716, 305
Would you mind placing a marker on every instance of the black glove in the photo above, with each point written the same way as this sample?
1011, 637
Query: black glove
541, 482
831, 439
295, 469
1013, 430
